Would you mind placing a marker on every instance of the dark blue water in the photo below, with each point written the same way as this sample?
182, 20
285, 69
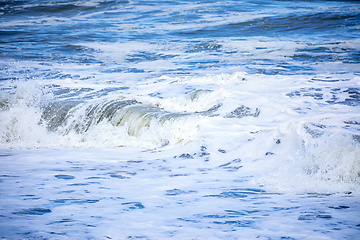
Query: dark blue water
54, 32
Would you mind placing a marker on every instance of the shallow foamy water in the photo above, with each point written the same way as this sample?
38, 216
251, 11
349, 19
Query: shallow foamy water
184, 120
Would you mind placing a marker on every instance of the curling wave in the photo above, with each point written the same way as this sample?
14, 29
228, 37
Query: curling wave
105, 123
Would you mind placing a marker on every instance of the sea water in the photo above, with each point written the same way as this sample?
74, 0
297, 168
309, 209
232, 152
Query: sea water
179, 119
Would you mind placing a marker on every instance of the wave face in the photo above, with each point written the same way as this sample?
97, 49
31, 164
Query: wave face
212, 119
118, 122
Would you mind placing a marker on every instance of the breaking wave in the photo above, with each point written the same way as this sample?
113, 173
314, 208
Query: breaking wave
96, 123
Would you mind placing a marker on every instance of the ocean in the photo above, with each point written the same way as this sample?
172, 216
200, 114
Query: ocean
208, 119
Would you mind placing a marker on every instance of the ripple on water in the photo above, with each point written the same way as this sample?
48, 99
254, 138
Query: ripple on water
175, 192
64, 176
33, 211
238, 193
74, 201
133, 205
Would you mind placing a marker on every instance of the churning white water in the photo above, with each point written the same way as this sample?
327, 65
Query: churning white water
184, 120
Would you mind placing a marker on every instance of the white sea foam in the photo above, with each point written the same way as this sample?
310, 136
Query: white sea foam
302, 160
292, 142
182, 120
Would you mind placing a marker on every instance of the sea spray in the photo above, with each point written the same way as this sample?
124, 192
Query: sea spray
298, 160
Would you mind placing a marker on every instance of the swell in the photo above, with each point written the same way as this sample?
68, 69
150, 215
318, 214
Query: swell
34, 8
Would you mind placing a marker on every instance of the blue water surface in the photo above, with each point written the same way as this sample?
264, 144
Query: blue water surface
68, 66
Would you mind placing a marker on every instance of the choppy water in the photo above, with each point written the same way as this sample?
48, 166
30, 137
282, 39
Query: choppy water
179, 119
